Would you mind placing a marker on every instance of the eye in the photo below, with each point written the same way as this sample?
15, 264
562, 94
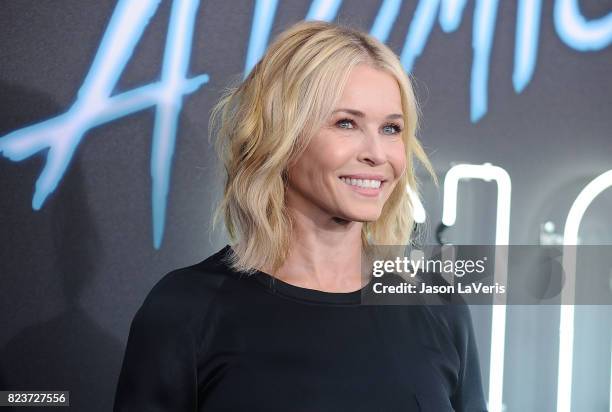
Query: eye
397, 127
394, 127
345, 121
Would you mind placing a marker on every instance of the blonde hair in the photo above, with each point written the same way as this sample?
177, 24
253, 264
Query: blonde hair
267, 120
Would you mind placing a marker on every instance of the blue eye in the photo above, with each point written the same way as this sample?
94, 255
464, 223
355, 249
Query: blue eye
344, 121
398, 129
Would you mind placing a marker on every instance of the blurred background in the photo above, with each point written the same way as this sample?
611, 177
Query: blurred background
108, 181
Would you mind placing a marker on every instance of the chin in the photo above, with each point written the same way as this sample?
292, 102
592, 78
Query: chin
362, 216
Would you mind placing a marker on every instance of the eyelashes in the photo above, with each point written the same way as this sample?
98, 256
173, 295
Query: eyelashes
398, 128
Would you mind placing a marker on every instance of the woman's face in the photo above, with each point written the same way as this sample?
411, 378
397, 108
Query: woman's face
355, 160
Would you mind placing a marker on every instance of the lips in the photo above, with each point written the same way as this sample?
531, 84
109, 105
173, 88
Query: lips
365, 176
364, 191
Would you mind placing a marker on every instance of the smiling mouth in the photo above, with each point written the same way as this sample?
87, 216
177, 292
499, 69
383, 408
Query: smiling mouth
364, 187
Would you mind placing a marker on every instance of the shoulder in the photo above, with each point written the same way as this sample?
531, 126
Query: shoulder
450, 310
184, 294
456, 318
195, 280
188, 282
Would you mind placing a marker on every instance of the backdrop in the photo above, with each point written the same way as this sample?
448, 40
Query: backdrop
108, 181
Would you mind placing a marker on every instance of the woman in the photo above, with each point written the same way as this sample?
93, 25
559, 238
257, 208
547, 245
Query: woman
317, 144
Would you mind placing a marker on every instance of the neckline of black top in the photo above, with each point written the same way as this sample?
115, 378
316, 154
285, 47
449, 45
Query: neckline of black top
299, 293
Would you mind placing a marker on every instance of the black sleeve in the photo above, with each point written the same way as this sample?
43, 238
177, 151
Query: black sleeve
159, 365
469, 394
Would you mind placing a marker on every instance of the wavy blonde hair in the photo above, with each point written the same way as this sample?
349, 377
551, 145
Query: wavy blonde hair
267, 120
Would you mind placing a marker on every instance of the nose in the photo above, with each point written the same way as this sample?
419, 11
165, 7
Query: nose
372, 150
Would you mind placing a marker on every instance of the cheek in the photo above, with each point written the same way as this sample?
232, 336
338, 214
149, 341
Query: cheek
397, 159
330, 155
318, 166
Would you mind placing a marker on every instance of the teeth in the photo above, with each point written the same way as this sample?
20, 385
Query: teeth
365, 183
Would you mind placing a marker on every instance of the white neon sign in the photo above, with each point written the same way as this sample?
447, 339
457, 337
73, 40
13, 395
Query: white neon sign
566, 320
488, 172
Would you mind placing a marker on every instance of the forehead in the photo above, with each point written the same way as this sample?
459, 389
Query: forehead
372, 91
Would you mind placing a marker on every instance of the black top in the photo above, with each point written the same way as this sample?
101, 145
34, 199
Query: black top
208, 338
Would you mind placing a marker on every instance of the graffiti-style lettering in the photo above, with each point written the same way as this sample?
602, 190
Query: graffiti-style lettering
95, 105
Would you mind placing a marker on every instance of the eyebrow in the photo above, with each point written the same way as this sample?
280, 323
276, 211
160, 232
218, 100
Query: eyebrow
361, 114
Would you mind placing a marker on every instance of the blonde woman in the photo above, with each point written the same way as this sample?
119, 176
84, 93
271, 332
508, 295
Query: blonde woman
317, 145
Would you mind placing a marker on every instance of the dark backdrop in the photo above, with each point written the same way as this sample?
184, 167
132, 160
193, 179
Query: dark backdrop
74, 272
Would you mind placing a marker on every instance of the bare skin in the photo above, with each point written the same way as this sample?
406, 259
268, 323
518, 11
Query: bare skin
328, 213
